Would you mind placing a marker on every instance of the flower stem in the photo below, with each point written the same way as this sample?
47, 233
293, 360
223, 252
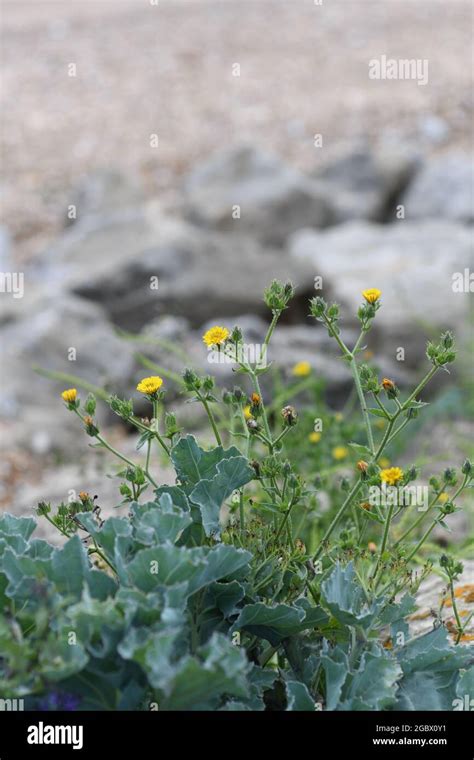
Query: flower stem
211, 419
363, 404
355, 490
383, 545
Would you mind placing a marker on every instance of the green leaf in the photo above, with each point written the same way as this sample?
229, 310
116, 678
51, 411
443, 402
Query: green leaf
342, 594
278, 622
377, 412
106, 533
193, 464
432, 652
299, 698
210, 494
58, 659
426, 691
465, 686
16, 526
416, 404
168, 565
70, 567
198, 683
336, 667
374, 685
159, 522
360, 450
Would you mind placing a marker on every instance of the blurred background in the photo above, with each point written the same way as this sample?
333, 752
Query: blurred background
208, 147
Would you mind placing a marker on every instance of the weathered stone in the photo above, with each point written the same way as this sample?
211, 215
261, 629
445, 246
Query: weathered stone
363, 182
273, 199
412, 263
443, 189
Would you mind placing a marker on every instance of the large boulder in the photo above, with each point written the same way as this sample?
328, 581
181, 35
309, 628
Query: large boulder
104, 192
412, 263
155, 265
274, 199
442, 189
363, 182
70, 336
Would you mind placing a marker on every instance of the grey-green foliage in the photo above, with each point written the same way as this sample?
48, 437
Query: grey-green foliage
177, 620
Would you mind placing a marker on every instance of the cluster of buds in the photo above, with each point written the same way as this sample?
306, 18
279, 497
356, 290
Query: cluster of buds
202, 386
450, 476
453, 569
138, 483
122, 408
443, 352
278, 295
369, 379
235, 397
320, 310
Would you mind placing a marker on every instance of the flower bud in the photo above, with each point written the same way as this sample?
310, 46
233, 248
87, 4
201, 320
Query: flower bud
466, 469
91, 428
236, 335
447, 339
191, 380
390, 388
317, 307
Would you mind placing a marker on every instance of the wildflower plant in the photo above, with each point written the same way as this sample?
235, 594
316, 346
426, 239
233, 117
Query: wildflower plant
231, 588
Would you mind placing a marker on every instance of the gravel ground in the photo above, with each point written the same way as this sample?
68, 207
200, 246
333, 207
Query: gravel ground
167, 69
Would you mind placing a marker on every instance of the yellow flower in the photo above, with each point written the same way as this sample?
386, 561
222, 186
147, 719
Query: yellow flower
443, 497
340, 452
247, 413
150, 385
384, 462
301, 369
391, 476
372, 295
338, 416
314, 437
216, 336
69, 396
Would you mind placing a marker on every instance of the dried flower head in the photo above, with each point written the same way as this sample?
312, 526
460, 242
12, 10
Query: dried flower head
289, 415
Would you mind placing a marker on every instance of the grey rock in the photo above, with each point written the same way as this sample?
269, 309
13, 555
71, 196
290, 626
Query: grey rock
412, 263
274, 199
104, 192
443, 189
152, 267
363, 182
46, 337
6, 262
